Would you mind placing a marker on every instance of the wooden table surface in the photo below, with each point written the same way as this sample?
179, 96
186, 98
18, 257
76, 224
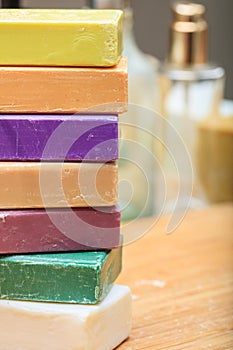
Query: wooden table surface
182, 283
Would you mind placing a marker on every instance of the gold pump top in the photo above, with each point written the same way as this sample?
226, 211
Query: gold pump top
188, 34
185, 11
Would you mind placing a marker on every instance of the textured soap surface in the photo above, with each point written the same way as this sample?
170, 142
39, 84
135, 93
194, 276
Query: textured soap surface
54, 230
60, 37
57, 185
70, 138
64, 90
79, 277
37, 326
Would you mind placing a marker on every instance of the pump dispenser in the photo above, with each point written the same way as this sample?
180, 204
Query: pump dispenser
188, 35
191, 91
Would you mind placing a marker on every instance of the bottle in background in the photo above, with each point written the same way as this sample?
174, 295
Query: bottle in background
191, 92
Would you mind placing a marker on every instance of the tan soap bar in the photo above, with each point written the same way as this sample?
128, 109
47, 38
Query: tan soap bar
54, 185
64, 90
61, 37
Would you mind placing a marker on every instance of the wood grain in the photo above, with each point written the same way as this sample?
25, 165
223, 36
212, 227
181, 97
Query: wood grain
182, 284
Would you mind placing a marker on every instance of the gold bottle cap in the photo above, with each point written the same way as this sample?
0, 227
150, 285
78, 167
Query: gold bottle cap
188, 34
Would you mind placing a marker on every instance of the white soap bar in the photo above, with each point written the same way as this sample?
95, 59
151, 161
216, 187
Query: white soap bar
36, 326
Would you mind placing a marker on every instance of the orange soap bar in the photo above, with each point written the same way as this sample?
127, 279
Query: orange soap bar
57, 185
64, 89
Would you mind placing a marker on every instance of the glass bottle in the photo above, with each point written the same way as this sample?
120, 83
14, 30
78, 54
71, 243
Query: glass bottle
191, 92
136, 170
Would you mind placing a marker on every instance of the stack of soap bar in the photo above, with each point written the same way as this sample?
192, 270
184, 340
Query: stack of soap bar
58, 179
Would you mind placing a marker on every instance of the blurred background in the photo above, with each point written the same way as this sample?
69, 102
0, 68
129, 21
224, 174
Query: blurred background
152, 18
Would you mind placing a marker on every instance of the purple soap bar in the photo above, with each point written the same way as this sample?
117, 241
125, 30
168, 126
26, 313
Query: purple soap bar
56, 230
59, 137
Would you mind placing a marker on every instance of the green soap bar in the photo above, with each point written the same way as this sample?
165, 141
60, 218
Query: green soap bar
40, 37
80, 277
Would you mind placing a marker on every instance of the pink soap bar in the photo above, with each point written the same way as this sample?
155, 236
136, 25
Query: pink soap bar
56, 230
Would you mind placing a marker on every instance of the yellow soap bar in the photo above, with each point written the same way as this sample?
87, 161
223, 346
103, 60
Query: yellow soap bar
57, 185
60, 37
